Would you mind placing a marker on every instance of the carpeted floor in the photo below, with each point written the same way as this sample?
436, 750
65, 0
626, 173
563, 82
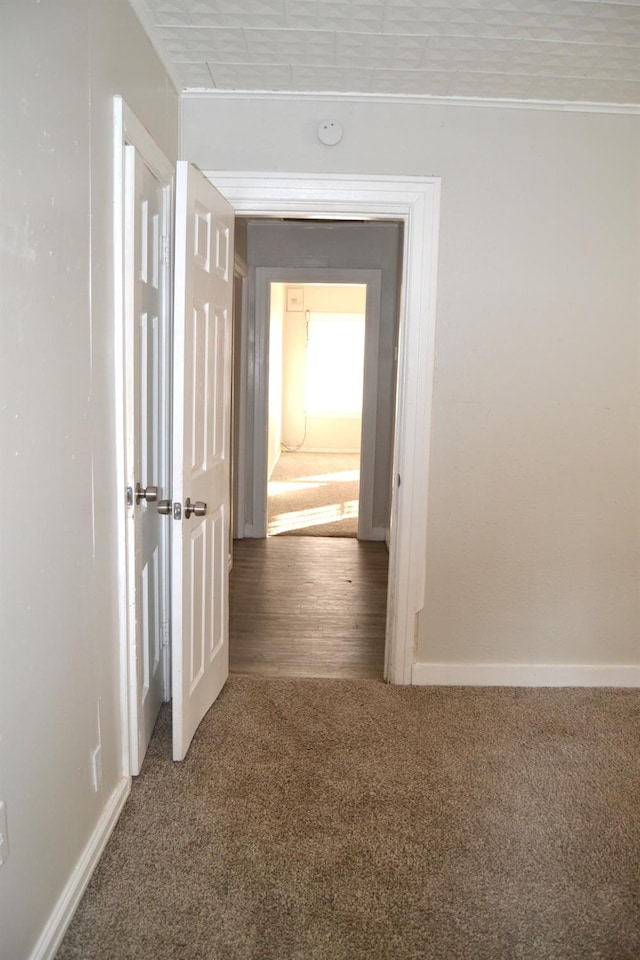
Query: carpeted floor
314, 495
349, 820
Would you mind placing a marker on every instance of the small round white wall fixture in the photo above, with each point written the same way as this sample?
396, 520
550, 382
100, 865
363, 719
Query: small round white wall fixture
330, 133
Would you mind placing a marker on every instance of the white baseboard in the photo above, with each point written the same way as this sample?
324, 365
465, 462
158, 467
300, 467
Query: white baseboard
525, 675
334, 450
373, 533
272, 467
56, 926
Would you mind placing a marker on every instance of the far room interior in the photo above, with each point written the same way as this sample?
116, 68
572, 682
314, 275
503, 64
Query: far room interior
316, 367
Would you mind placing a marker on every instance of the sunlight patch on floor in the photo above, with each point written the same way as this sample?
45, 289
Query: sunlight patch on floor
342, 476
276, 487
316, 516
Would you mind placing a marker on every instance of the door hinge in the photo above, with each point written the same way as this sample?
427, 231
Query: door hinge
166, 249
165, 633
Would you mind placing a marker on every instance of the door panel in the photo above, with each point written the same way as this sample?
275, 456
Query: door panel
201, 423
147, 321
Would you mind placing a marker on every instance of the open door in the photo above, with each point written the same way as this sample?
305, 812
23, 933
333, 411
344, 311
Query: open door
201, 438
147, 206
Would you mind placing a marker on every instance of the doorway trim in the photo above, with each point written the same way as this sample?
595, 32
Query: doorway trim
238, 401
264, 277
416, 202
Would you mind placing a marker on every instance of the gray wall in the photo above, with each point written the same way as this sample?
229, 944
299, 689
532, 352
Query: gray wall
534, 517
365, 246
59, 672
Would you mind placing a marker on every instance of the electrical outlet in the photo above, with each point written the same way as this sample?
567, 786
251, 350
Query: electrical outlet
4, 839
96, 768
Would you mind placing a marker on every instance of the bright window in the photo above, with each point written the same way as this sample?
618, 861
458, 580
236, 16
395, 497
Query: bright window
335, 364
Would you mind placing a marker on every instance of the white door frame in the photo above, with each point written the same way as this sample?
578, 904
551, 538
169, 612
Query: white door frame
127, 130
416, 202
264, 277
238, 410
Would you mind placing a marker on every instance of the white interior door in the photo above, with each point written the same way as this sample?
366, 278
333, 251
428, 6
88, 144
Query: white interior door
201, 436
147, 321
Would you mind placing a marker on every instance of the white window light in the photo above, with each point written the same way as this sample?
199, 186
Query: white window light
335, 364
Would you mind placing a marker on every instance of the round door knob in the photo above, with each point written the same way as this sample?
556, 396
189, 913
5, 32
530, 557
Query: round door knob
199, 508
150, 494
164, 507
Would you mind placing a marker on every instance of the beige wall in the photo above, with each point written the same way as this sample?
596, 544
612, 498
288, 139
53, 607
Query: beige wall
534, 520
320, 433
59, 670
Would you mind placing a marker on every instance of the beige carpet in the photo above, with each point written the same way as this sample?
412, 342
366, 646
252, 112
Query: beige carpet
349, 820
314, 495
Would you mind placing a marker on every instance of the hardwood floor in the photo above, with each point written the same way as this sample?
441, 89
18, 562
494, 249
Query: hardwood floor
308, 607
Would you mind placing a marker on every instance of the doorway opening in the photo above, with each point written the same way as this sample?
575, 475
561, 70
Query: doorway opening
412, 202
320, 357
316, 376
380, 354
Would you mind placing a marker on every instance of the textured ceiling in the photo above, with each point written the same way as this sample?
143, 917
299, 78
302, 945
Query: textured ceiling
567, 50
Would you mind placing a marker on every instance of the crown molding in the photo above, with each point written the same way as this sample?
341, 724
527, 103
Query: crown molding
565, 106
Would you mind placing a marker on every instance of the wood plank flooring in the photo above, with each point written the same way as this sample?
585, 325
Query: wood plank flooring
308, 607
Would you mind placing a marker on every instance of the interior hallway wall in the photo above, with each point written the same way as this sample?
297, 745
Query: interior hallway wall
534, 515
61, 64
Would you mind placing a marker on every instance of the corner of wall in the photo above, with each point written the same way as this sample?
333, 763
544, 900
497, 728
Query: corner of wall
62, 914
